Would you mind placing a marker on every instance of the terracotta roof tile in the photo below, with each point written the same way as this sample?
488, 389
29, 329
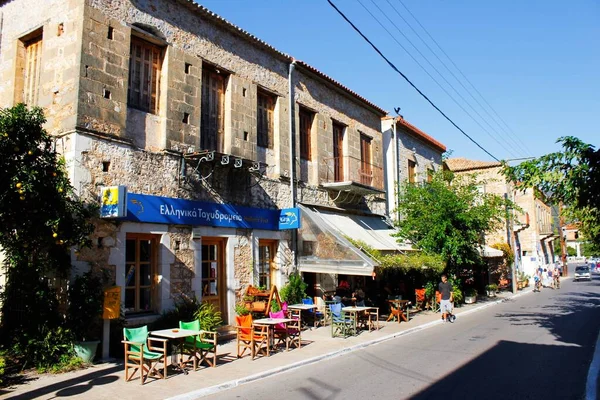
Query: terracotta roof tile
193, 5
463, 164
416, 131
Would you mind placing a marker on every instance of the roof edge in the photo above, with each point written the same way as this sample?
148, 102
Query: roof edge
420, 133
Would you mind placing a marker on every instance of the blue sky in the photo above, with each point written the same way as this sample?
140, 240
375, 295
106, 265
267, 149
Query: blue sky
536, 62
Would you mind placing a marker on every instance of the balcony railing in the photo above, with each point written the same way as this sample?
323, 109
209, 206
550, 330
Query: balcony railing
352, 169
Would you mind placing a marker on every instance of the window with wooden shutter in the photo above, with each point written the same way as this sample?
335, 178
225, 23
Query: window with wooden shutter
33, 62
411, 171
212, 110
264, 119
144, 75
338, 152
365, 160
306, 119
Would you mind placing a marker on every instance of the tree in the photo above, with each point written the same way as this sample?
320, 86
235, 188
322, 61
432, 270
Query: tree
40, 219
449, 217
570, 176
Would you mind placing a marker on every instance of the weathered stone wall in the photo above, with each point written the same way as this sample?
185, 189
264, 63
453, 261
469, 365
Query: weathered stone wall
182, 270
243, 260
412, 147
61, 22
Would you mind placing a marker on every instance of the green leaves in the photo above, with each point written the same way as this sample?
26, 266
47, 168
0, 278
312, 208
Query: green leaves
571, 176
449, 216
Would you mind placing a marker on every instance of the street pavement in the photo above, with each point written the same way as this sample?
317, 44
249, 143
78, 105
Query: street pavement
532, 346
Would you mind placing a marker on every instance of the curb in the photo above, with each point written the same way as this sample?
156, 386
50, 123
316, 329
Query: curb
269, 373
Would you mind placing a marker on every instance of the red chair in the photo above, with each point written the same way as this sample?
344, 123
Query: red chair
420, 299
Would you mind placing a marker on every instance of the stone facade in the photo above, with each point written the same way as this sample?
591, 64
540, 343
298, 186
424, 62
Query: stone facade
84, 86
532, 224
403, 142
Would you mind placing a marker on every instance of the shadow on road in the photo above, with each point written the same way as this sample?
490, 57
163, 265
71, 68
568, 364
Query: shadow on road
518, 370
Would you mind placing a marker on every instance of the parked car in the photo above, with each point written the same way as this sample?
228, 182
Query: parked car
582, 272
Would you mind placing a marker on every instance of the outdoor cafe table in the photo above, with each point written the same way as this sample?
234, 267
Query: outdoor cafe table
354, 310
271, 322
178, 335
302, 307
401, 306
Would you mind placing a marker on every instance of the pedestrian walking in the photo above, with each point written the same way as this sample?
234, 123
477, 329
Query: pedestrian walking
445, 289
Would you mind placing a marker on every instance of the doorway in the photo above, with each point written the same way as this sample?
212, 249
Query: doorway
214, 282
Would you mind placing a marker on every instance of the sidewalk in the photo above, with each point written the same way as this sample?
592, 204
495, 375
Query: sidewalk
103, 381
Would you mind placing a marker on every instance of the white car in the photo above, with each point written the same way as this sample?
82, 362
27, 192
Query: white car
582, 272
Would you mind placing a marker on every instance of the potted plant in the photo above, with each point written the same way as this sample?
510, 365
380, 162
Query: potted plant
491, 289
84, 316
241, 309
294, 291
470, 296
209, 317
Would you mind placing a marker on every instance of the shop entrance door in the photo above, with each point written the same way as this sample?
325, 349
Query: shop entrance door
214, 283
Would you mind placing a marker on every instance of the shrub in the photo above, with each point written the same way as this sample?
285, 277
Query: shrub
275, 306
209, 317
470, 292
85, 307
295, 290
241, 310
492, 287
184, 310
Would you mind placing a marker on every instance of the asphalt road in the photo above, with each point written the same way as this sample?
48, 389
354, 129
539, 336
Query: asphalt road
537, 346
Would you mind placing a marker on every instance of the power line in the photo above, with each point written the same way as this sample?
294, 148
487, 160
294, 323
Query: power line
407, 80
514, 136
512, 151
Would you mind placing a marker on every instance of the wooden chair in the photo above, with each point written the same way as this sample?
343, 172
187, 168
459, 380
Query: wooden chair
261, 340
294, 328
201, 348
142, 354
244, 334
280, 331
341, 325
420, 300
251, 337
373, 319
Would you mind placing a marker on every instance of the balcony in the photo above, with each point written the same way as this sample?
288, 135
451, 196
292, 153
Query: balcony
351, 174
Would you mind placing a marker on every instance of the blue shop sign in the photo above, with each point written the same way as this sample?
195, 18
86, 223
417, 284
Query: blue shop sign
167, 210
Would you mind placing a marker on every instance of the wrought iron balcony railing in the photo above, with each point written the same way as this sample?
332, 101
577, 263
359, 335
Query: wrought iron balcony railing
352, 169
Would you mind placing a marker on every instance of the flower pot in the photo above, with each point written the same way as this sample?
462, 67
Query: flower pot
86, 350
470, 299
491, 293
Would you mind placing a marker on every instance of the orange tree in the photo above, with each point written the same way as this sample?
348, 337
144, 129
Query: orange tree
40, 219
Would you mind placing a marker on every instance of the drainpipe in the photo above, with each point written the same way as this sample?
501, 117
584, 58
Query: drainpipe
397, 169
292, 138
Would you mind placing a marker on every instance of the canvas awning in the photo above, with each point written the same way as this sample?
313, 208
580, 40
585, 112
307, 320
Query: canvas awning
370, 229
322, 249
488, 251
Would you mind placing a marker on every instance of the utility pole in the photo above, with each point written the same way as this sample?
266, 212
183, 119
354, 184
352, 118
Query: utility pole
510, 241
563, 243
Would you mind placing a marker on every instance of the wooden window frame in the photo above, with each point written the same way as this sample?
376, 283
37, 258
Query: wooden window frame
338, 130
136, 263
272, 245
265, 113
145, 65
430, 173
366, 159
29, 65
212, 109
412, 166
306, 118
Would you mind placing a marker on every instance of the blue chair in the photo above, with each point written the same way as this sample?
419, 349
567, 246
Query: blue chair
341, 325
316, 317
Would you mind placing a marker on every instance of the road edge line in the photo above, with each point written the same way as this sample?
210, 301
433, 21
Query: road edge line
591, 384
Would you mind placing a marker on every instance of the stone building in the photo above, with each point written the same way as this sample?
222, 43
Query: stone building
410, 155
531, 232
193, 116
